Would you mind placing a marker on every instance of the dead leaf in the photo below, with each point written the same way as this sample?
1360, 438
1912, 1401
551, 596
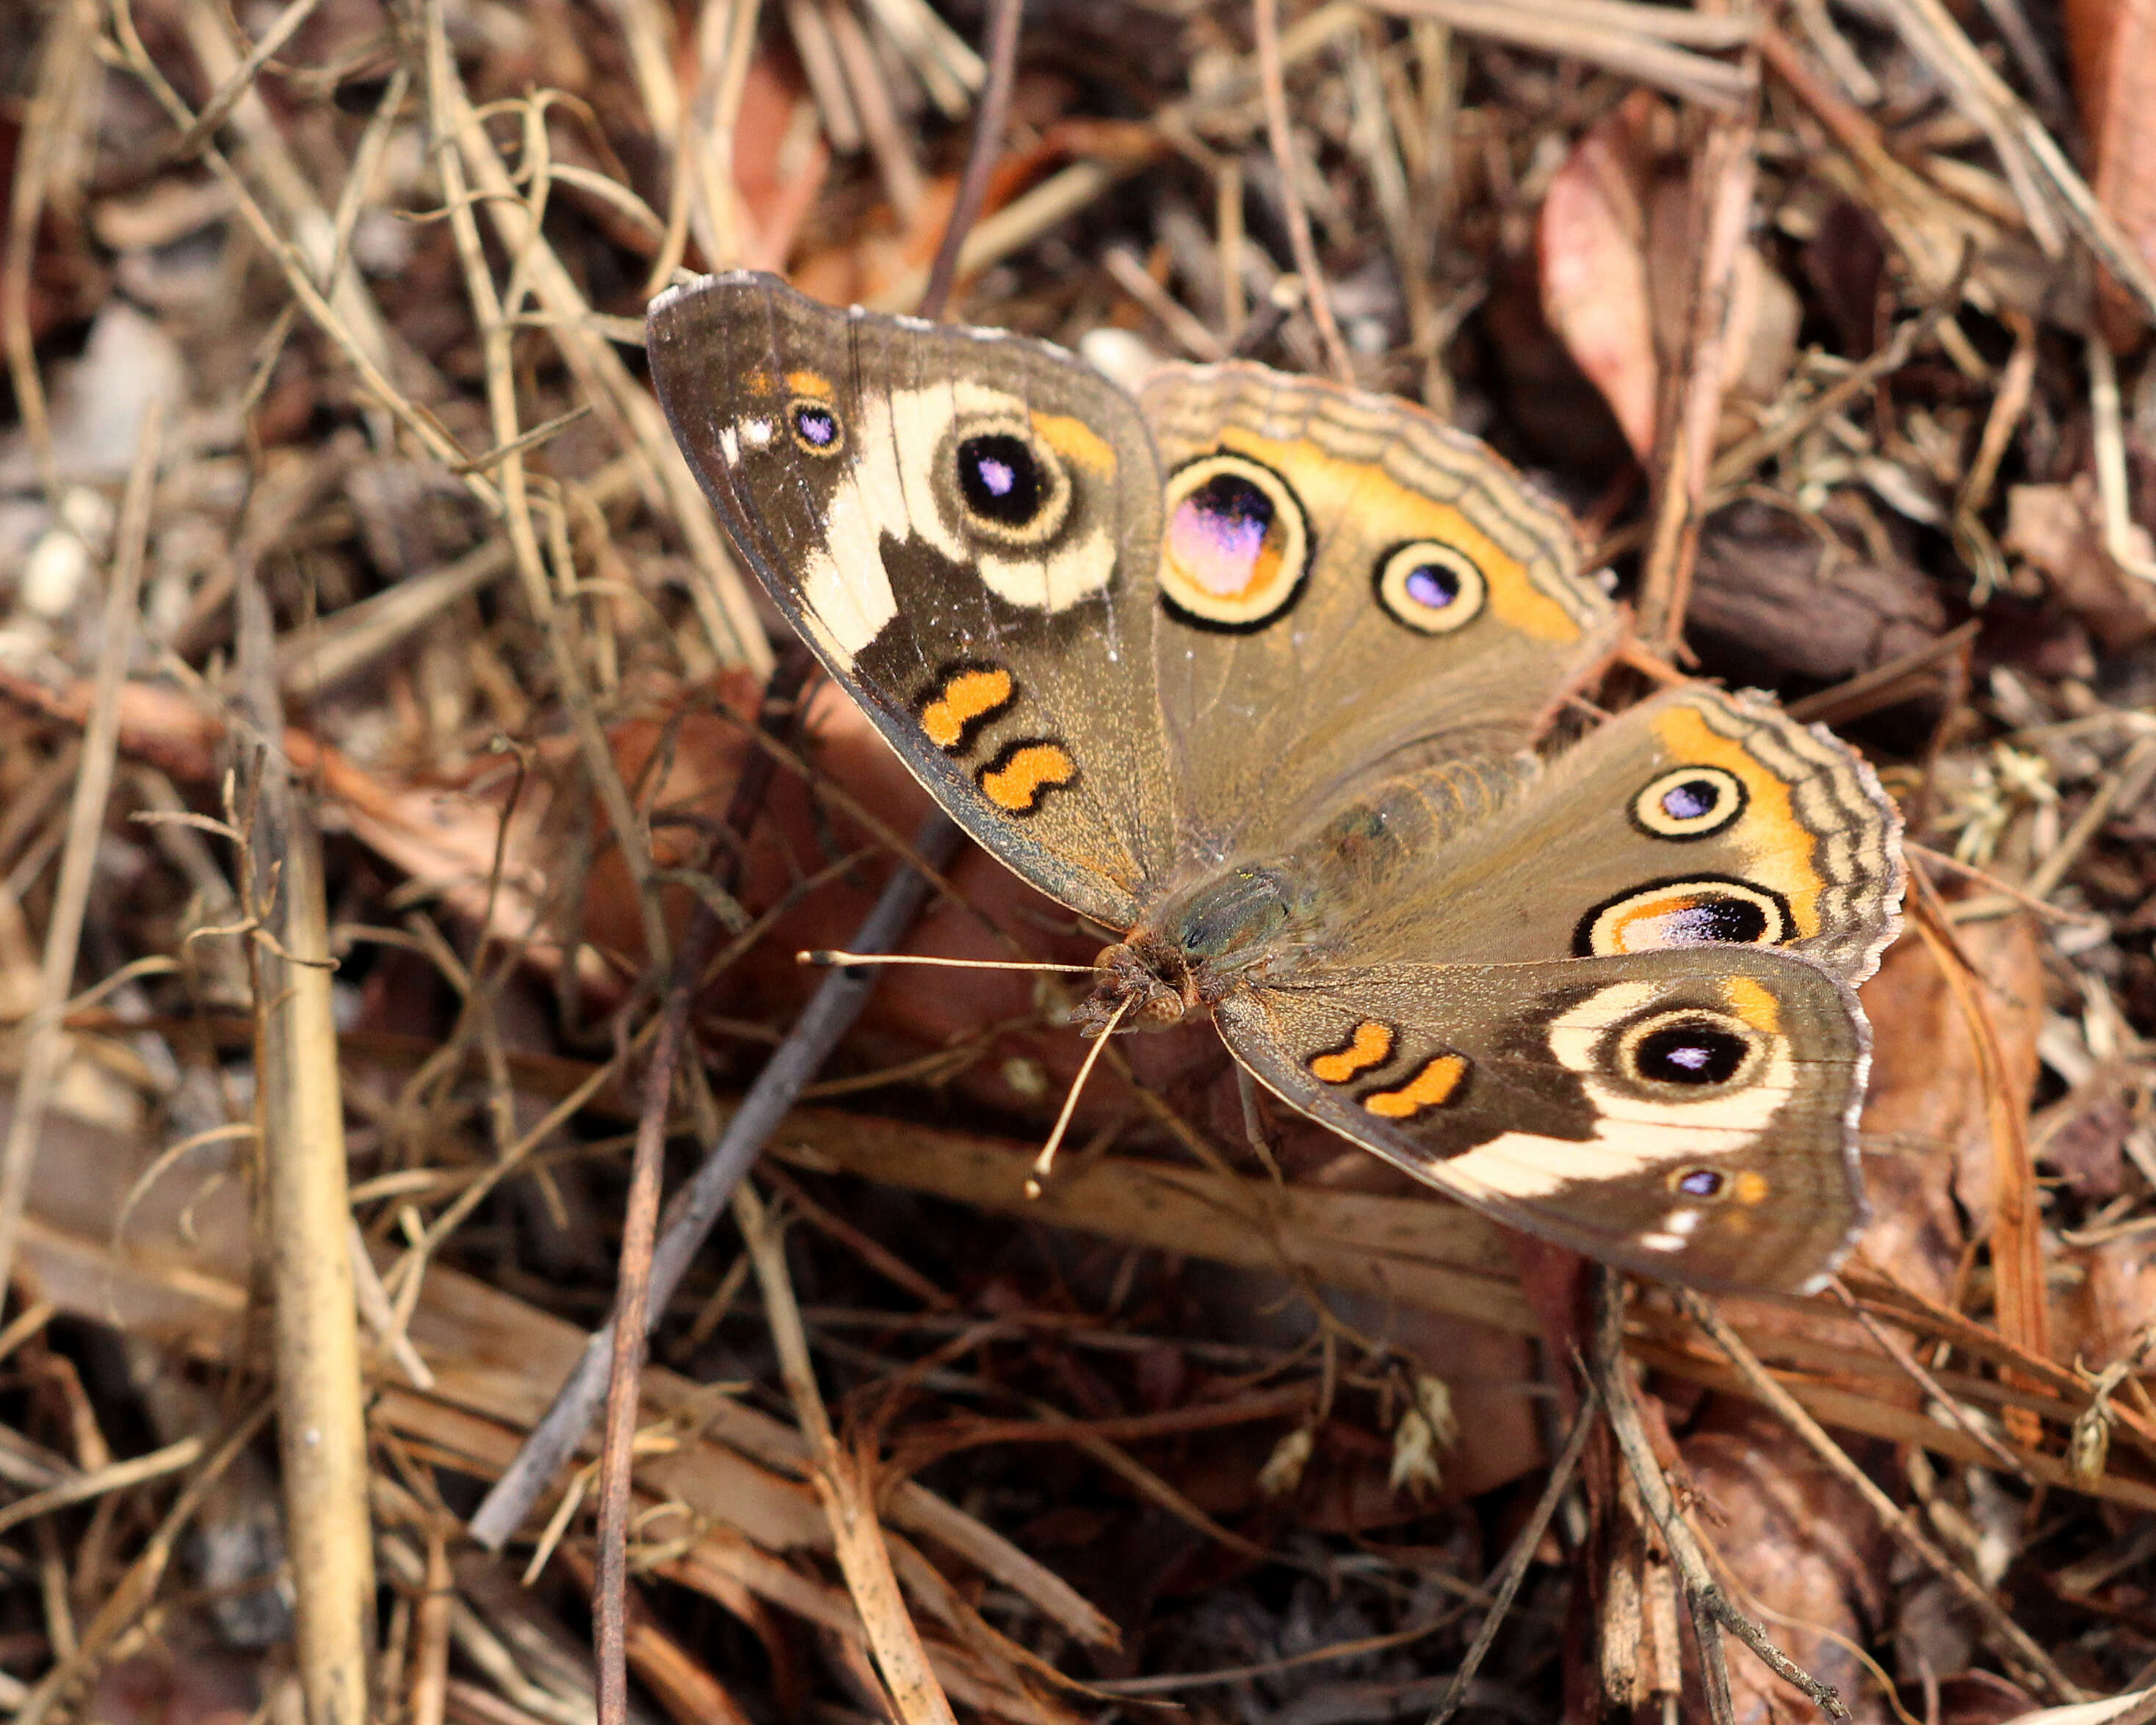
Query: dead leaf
1925, 1132
1804, 1552
2059, 529
1592, 242
2112, 44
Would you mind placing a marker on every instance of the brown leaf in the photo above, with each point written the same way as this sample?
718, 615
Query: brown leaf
1805, 1554
2113, 46
1926, 1131
2059, 530
1775, 598
1592, 241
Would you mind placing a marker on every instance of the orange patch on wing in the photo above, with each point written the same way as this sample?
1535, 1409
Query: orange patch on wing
1748, 1187
1353, 492
1032, 770
1370, 1045
966, 695
1428, 1089
1076, 441
1752, 1003
813, 384
1777, 846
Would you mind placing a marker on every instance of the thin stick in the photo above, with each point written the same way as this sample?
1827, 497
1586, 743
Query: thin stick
321, 1425
1897, 1351
1691, 405
696, 1210
843, 1485
1505, 1583
47, 1045
65, 57
227, 96
1004, 20
632, 1322
1711, 1611
2007, 1636
1272, 81
1046, 1160
825, 956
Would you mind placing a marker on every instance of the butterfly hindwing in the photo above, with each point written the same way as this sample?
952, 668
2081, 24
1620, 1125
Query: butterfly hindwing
1696, 818
1686, 1119
963, 527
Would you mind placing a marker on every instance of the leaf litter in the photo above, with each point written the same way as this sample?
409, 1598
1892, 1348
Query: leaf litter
387, 738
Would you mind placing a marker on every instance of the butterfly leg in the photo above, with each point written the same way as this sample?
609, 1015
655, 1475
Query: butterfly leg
1254, 1124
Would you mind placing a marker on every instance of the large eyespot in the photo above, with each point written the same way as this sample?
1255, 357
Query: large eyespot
815, 426
1431, 587
1690, 1048
1237, 545
1703, 910
1008, 484
1689, 803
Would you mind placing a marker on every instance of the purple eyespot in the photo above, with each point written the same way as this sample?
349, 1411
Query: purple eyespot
1001, 481
1689, 1053
1688, 802
1700, 1183
1433, 586
1692, 800
817, 427
1430, 587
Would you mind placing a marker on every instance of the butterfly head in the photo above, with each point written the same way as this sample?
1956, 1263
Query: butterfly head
1198, 945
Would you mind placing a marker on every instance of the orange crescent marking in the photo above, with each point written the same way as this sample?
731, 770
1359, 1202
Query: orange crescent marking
967, 696
1019, 784
1371, 1045
1428, 1089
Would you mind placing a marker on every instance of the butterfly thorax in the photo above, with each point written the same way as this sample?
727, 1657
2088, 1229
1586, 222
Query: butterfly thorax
1246, 924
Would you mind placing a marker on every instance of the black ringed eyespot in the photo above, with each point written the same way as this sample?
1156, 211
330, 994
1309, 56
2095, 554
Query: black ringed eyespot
1235, 545
815, 426
1698, 1183
1690, 1049
1689, 803
1430, 587
1000, 482
1698, 910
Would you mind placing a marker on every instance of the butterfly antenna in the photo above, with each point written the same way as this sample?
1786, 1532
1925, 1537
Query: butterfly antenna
823, 956
1045, 1160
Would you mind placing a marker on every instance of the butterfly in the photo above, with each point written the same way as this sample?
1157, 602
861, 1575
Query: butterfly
1250, 670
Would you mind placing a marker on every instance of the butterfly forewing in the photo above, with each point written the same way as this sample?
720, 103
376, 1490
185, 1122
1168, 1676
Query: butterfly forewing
963, 527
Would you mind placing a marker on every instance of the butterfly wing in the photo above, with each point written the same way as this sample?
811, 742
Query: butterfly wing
1696, 818
1347, 587
963, 527
1692, 1122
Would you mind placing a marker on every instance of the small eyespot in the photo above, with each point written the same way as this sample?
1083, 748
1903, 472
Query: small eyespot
1698, 1182
1689, 1047
1431, 587
1689, 803
999, 481
815, 427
